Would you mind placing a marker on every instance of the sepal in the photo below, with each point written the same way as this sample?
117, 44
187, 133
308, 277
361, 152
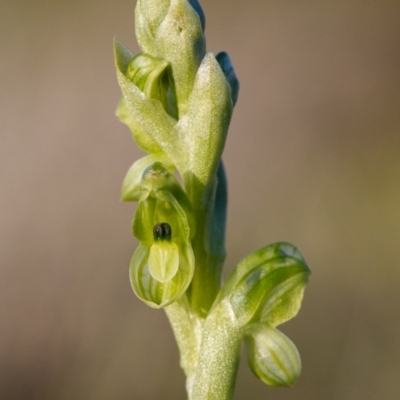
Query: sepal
273, 357
131, 183
171, 203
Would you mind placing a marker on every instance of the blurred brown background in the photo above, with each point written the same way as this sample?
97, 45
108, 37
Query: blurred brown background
313, 157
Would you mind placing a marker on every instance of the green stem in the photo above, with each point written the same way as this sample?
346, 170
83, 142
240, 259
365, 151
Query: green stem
219, 356
187, 332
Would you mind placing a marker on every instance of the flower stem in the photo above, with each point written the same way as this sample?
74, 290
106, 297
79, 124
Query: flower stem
219, 356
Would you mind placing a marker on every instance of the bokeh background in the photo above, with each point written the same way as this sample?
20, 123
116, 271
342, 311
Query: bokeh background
313, 157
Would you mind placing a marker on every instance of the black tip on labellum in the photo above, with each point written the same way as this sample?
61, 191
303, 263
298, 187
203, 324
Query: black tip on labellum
162, 231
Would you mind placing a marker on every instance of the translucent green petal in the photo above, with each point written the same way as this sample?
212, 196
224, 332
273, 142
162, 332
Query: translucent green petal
143, 221
163, 260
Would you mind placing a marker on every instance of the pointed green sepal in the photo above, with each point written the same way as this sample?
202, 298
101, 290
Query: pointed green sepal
227, 67
131, 184
153, 292
273, 357
268, 285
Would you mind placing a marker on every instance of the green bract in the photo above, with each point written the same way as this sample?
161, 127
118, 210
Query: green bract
150, 118
207, 119
150, 75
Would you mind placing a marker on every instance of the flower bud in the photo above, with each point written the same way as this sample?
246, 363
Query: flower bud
180, 41
273, 357
149, 14
268, 285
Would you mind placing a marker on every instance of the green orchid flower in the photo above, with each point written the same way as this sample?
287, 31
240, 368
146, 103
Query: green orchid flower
162, 266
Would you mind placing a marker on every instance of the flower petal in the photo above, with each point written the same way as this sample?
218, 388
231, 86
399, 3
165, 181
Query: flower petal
163, 260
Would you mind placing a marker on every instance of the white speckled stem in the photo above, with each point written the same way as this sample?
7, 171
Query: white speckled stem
219, 356
187, 331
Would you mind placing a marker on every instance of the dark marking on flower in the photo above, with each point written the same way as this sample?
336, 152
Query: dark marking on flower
162, 231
